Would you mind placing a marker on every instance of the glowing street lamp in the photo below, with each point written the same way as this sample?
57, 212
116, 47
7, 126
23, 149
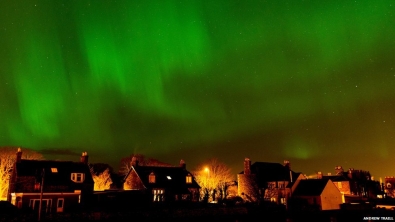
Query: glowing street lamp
207, 171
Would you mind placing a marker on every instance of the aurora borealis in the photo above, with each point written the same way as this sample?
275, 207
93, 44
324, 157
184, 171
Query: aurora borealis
309, 81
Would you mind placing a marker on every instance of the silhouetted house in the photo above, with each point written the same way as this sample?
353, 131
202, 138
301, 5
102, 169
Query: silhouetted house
163, 183
267, 181
319, 194
341, 180
61, 185
354, 183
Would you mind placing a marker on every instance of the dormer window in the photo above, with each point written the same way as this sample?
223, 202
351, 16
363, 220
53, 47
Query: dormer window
151, 178
77, 177
169, 177
189, 178
54, 170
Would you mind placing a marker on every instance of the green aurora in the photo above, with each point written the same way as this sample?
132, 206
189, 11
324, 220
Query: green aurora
309, 81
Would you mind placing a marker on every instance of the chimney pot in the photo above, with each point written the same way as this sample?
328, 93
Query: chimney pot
182, 164
287, 164
319, 175
247, 166
84, 157
18, 155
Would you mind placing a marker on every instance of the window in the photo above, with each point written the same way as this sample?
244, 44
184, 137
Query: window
151, 178
281, 185
77, 177
37, 186
158, 195
54, 170
169, 177
60, 205
339, 185
189, 179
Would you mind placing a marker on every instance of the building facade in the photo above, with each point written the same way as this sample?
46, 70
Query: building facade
59, 186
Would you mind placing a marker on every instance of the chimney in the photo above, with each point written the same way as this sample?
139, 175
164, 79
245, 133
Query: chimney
339, 170
84, 158
350, 171
319, 175
135, 161
182, 164
19, 155
287, 165
247, 166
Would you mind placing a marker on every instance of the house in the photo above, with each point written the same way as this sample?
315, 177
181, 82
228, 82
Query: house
341, 181
319, 194
163, 183
267, 181
60, 185
354, 184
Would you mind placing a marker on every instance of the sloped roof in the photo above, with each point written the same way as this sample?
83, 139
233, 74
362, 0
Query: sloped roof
313, 187
267, 172
34, 168
166, 177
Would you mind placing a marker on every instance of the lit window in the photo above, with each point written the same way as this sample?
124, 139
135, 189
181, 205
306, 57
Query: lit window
151, 178
339, 185
168, 177
189, 179
54, 170
37, 186
77, 177
158, 195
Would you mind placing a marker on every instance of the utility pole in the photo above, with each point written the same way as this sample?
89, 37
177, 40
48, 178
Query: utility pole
41, 194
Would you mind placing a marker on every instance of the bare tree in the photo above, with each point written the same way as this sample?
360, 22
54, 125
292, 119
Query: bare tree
7, 160
214, 178
126, 163
102, 181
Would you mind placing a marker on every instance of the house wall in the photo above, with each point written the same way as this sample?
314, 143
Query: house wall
71, 201
247, 187
133, 182
343, 186
310, 201
331, 197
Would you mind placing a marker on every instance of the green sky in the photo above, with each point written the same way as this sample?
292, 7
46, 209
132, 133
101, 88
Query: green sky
309, 81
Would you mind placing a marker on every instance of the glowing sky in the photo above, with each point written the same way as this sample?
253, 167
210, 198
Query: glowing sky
309, 81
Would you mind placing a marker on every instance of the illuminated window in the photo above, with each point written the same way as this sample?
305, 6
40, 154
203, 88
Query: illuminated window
281, 185
54, 170
189, 179
151, 178
77, 177
158, 195
37, 186
168, 177
339, 185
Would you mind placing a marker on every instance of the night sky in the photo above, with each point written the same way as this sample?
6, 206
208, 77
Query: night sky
309, 81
